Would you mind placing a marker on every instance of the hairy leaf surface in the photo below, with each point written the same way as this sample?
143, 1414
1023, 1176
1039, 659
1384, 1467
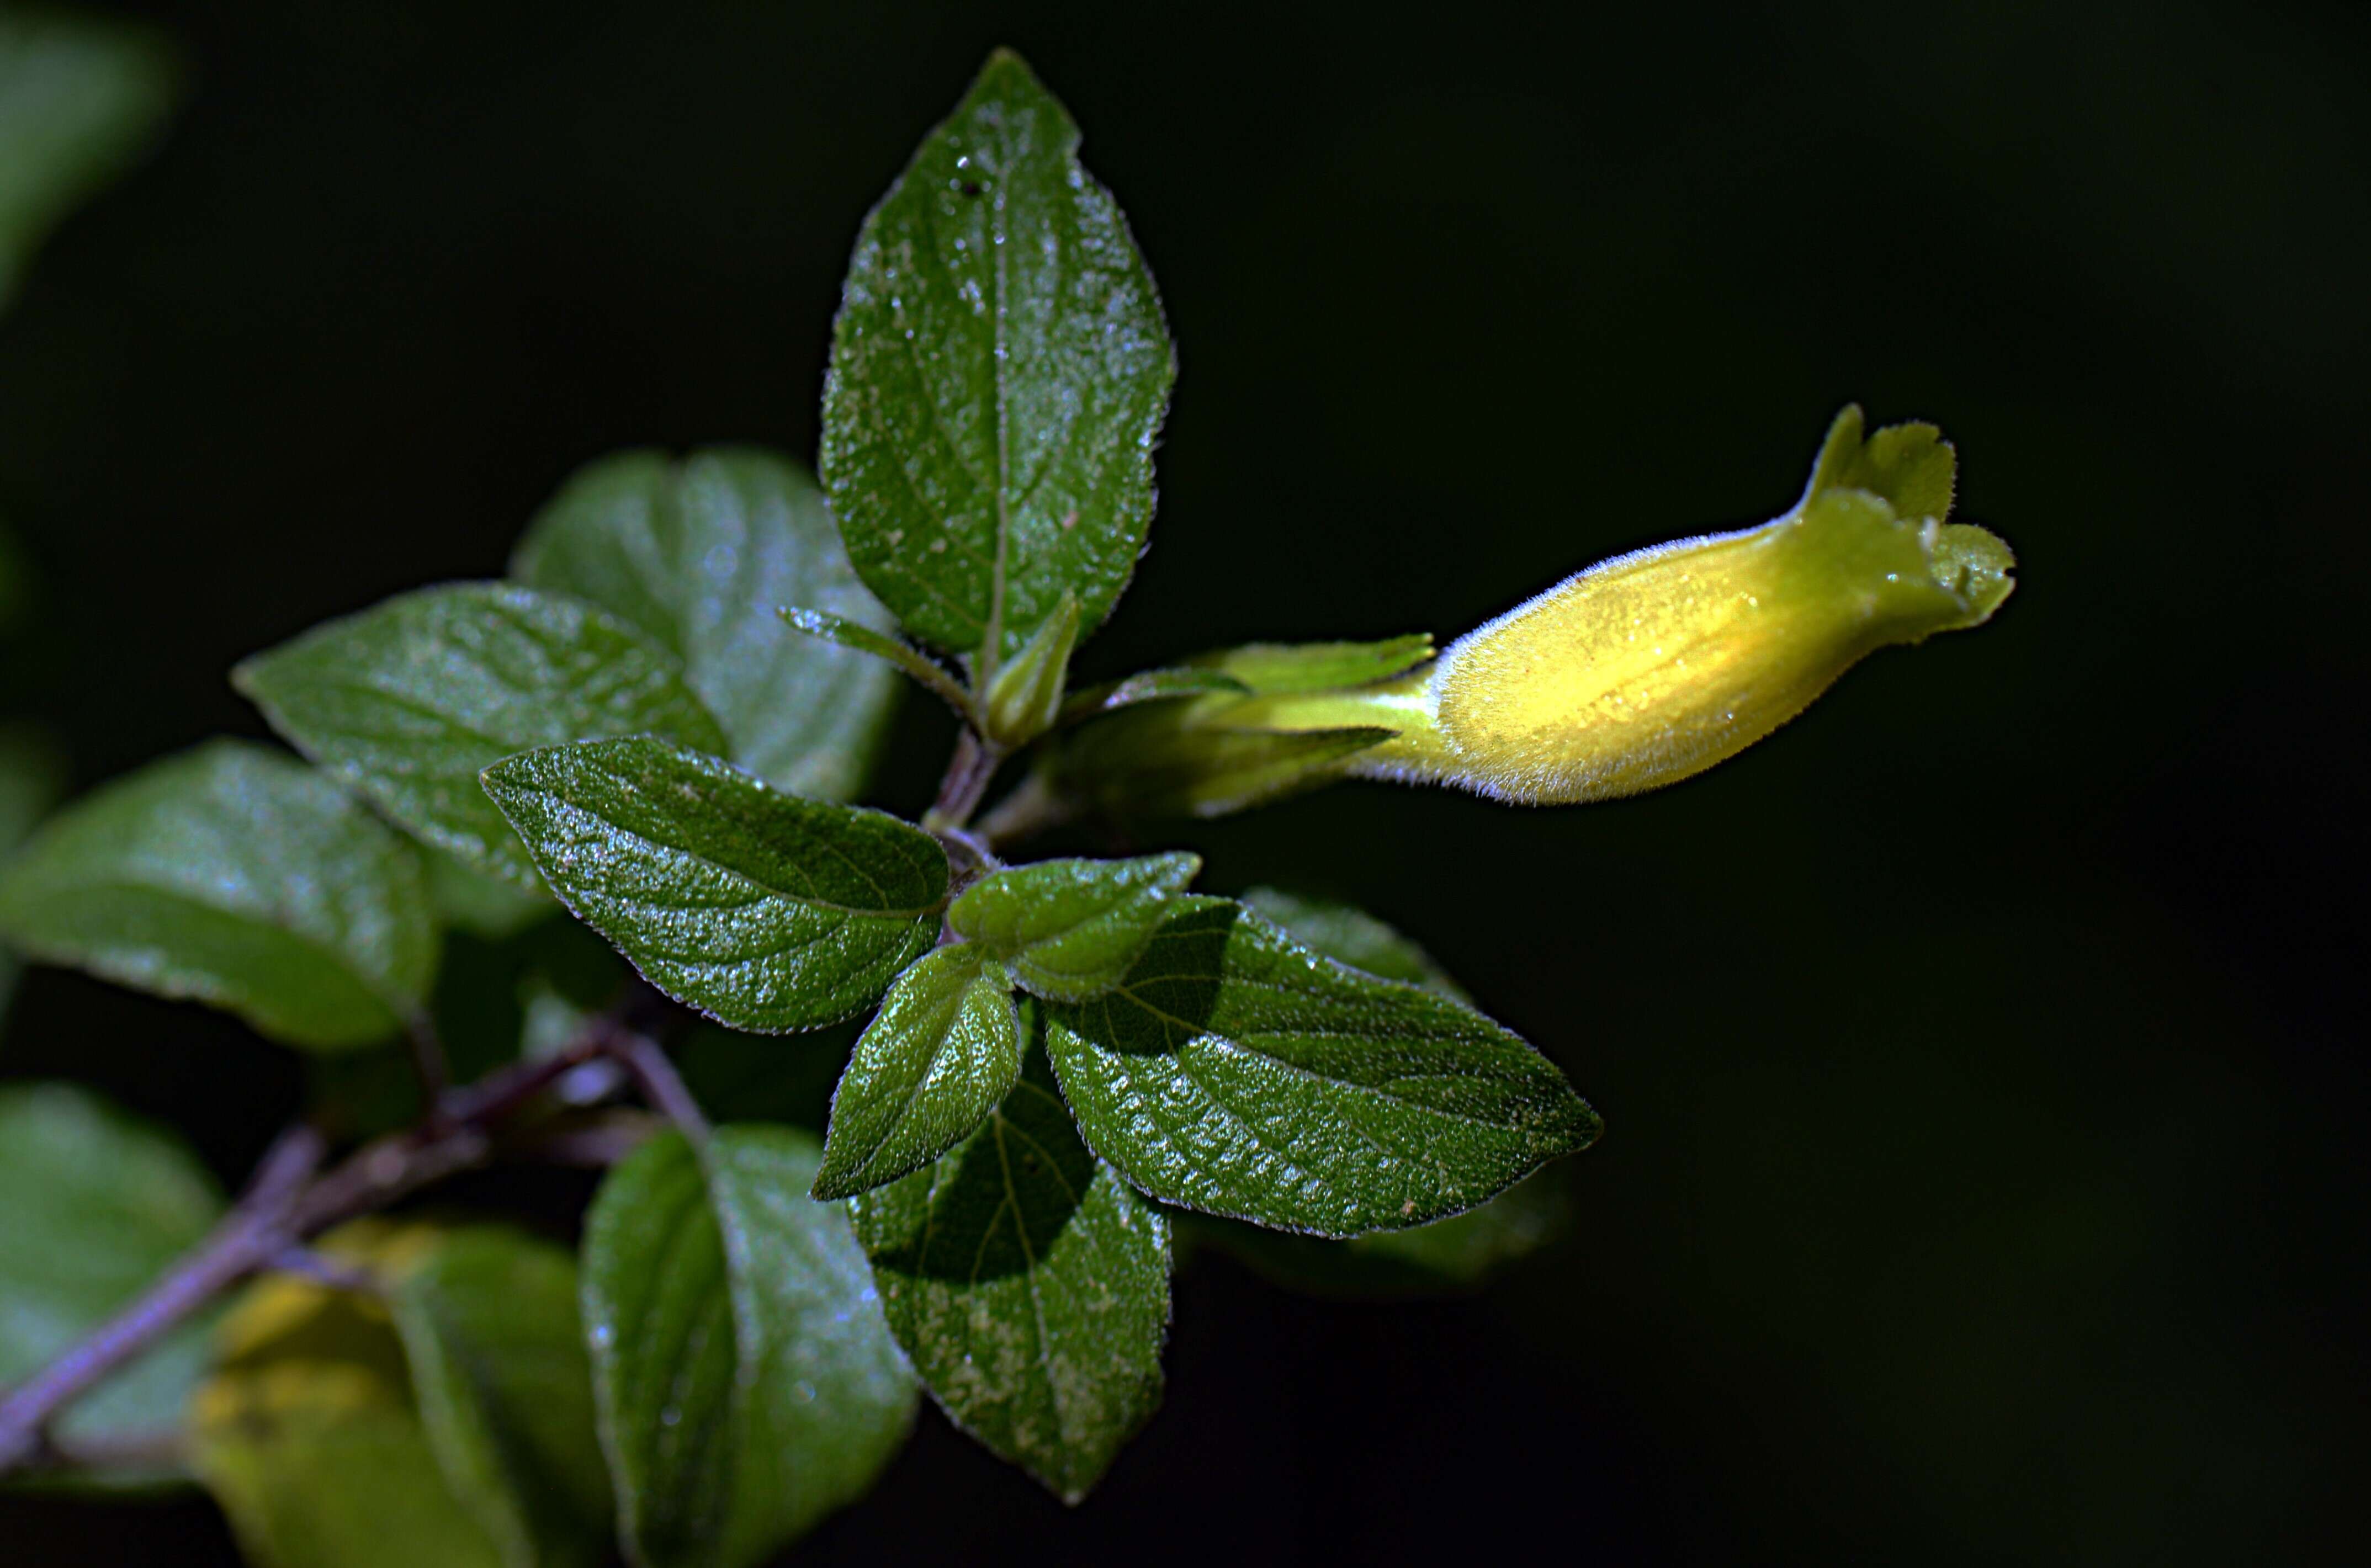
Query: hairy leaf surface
701, 554
1030, 1286
408, 702
944, 1049
235, 875
1236, 1072
747, 1385
765, 911
999, 370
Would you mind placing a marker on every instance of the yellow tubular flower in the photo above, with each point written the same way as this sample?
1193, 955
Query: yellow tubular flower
1655, 665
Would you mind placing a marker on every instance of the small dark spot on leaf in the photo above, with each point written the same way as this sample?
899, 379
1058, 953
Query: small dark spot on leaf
971, 189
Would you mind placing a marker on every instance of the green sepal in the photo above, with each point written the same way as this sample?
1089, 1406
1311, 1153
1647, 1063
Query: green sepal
1147, 686
1292, 669
1182, 760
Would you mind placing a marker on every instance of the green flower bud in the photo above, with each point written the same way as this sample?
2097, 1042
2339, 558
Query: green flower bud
1025, 694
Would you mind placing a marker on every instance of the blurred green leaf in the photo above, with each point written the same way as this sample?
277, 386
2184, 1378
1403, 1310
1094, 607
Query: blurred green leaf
747, 1385
1030, 1286
936, 1058
999, 370
702, 555
765, 911
307, 1431
239, 877
1069, 929
480, 903
489, 1328
32, 777
407, 701
1351, 936
1238, 1073
97, 1207
79, 98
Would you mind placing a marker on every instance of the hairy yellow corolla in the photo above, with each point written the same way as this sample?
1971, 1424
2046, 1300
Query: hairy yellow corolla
1655, 665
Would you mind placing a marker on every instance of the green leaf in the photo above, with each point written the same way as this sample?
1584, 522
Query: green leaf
1070, 929
1286, 669
747, 1385
701, 554
408, 702
237, 876
96, 1207
79, 98
308, 1435
1238, 1073
1030, 1286
1148, 686
765, 911
1352, 936
1449, 1254
941, 1053
489, 1328
998, 371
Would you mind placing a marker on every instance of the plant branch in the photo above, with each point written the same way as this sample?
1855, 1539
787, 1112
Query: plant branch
968, 771
660, 1085
285, 1205
428, 1060
246, 1237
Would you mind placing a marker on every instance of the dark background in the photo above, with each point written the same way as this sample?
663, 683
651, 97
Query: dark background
1981, 1056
